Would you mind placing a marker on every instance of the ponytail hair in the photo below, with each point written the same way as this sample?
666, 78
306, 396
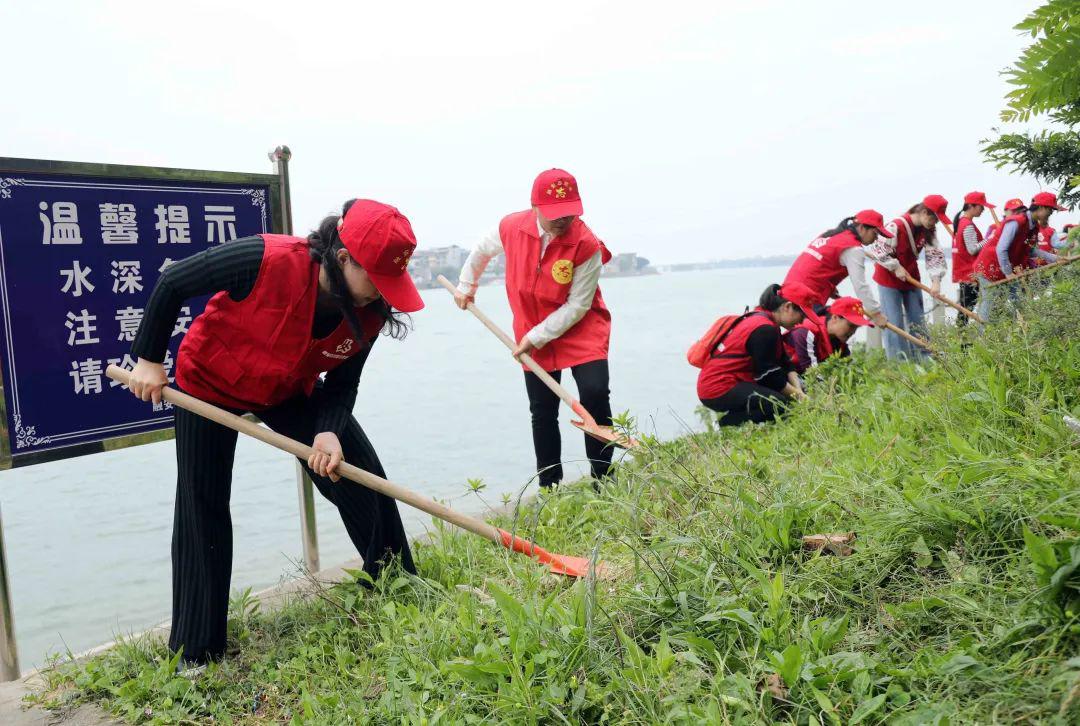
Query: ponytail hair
956, 217
847, 223
324, 243
771, 300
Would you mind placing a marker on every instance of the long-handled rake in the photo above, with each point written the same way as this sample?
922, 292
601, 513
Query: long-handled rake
559, 564
587, 423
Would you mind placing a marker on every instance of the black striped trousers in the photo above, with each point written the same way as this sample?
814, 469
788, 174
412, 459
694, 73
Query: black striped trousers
202, 524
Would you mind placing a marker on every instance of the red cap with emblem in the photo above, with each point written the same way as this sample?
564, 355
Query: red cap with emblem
1013, 204
801, 295
555, 193
850, 309
937, 204
1046, 199
977, 198
381, 240
872, 218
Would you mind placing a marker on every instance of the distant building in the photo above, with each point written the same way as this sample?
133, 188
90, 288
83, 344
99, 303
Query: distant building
627, 263
430, 262
431, 258
623, 263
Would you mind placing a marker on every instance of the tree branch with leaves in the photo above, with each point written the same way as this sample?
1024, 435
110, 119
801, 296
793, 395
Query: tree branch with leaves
1045, 81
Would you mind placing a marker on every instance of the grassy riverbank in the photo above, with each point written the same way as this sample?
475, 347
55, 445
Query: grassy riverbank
959, 604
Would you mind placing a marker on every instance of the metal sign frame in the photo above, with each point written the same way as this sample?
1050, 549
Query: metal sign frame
280, 222
14, 166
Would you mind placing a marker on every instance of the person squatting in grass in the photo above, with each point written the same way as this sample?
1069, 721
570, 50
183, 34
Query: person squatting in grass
815, 339
897, 263
284, 310
747, 375
553, 263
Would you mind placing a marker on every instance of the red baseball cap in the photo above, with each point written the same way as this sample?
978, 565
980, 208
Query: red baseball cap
1046, 199
850, 309
978, 198
555, 192
801, 295
380, 238
872, 218
1014, 204
937, 204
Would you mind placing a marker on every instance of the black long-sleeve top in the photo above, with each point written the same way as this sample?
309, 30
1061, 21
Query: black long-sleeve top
233, 268
767, 357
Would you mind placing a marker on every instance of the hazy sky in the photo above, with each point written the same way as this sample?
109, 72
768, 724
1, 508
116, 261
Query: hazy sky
696, 129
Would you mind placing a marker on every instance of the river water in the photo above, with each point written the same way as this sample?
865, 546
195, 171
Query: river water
88, 538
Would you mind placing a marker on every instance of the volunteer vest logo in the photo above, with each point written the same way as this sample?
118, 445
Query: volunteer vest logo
559, 189
562, 271
816, 245
344, 346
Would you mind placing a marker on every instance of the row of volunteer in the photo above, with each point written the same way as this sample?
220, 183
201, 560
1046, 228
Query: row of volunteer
292, 320
749, 366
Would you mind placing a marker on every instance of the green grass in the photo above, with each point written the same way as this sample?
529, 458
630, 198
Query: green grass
960, 604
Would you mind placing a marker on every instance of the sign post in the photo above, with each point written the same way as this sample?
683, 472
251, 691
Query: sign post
81, 248
9, 652
309, 535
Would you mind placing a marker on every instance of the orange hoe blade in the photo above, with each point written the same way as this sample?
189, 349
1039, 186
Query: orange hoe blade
559, 564
587, 423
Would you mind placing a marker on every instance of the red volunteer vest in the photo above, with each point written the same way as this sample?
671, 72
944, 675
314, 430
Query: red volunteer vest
909, 258
819, 266
539, 286
823, 347
963, 264
258, 353
1045, 233
986, 264
730, 363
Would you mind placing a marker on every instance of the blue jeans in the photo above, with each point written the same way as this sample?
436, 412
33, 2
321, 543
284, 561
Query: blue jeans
998, 301
904, 309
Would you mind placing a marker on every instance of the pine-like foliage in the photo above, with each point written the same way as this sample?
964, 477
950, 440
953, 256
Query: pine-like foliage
1046, 81
1047, 75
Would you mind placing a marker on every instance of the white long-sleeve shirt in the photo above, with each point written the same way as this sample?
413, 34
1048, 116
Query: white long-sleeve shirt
854, 259
971, 240
884, 252
582, 286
